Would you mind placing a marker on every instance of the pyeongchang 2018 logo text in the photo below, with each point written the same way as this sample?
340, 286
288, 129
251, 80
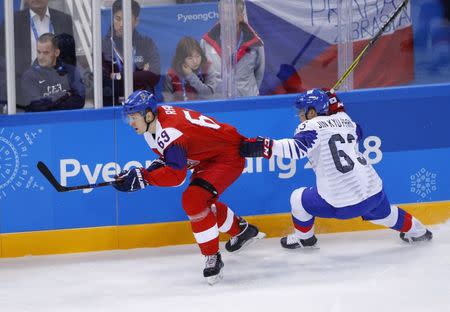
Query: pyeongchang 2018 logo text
203, 17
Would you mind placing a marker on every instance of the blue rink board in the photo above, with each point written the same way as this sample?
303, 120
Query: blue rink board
415, 148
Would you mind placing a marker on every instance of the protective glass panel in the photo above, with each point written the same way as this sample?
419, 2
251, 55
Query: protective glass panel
112, 53
431, 41
389, 61
300, 44
413, 49
47, 49
158, 28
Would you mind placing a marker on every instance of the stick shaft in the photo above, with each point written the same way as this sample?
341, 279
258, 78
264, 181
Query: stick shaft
60, 188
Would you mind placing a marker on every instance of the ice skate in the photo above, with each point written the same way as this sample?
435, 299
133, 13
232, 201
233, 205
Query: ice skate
409, 239
248, 234
292, 242
213, 268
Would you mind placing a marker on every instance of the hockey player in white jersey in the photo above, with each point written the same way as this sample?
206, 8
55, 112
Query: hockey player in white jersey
347, 186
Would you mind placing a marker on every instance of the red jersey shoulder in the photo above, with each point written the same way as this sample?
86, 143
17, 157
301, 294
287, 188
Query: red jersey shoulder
177, 117
170, 116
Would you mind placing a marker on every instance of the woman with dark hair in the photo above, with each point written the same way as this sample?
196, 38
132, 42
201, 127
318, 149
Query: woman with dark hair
191, 76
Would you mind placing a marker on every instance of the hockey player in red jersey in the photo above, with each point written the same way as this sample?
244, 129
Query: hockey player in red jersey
186, 139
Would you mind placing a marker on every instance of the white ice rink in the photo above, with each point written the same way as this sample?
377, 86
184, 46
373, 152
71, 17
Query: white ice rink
360, 271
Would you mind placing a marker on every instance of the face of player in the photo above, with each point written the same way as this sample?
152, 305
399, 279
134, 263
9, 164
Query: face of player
309, 115
118, 23
139, 122
194, 60
46, 54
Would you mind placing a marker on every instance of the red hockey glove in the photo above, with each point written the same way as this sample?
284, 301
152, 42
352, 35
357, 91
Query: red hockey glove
335, 104
256, 147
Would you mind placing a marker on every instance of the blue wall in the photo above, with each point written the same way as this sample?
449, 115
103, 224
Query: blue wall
410, 122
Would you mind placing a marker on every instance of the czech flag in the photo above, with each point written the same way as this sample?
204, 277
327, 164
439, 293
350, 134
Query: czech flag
301, 37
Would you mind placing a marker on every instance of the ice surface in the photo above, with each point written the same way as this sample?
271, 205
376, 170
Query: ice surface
359, 271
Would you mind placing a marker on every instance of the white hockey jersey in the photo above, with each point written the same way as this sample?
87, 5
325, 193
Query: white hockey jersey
343, 175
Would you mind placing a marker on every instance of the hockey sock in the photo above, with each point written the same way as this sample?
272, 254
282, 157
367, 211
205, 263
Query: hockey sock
227, 221
402, 221
206, 234
406, 223
203, 221
303, 229
303, 221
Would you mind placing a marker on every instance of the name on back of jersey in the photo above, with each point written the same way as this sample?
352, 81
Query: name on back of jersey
169, 110
335, 123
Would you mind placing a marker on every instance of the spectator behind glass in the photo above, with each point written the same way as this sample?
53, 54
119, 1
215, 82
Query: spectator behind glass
50, 84
191, 76
250, 54
29, 24
147, 66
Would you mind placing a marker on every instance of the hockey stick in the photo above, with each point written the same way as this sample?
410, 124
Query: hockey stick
60, 188
368, 46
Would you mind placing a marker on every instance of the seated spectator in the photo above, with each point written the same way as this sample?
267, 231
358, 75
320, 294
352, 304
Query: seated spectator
250, 58
191, 76
147, 66
49, 84
30, 23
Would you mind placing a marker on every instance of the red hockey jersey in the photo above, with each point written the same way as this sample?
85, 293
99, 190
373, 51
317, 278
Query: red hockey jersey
202, 137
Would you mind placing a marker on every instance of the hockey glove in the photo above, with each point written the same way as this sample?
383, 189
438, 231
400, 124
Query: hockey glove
130, 180
256, 147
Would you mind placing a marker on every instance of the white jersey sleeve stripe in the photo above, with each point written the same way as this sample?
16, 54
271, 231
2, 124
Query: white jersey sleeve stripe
287, 148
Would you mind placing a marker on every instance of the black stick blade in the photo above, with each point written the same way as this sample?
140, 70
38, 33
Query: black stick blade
50, 177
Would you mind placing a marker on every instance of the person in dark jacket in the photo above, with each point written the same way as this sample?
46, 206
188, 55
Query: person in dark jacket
51, 84
147, 67
29, 24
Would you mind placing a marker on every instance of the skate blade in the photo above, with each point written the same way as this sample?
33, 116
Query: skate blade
420, 242
304, 248
251, 241
214, 279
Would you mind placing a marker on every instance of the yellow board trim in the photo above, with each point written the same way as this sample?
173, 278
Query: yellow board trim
176, 233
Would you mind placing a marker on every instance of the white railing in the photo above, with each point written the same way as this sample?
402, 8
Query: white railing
81, 12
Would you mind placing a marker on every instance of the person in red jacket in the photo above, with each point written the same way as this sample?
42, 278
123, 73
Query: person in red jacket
185, 139
191, 76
